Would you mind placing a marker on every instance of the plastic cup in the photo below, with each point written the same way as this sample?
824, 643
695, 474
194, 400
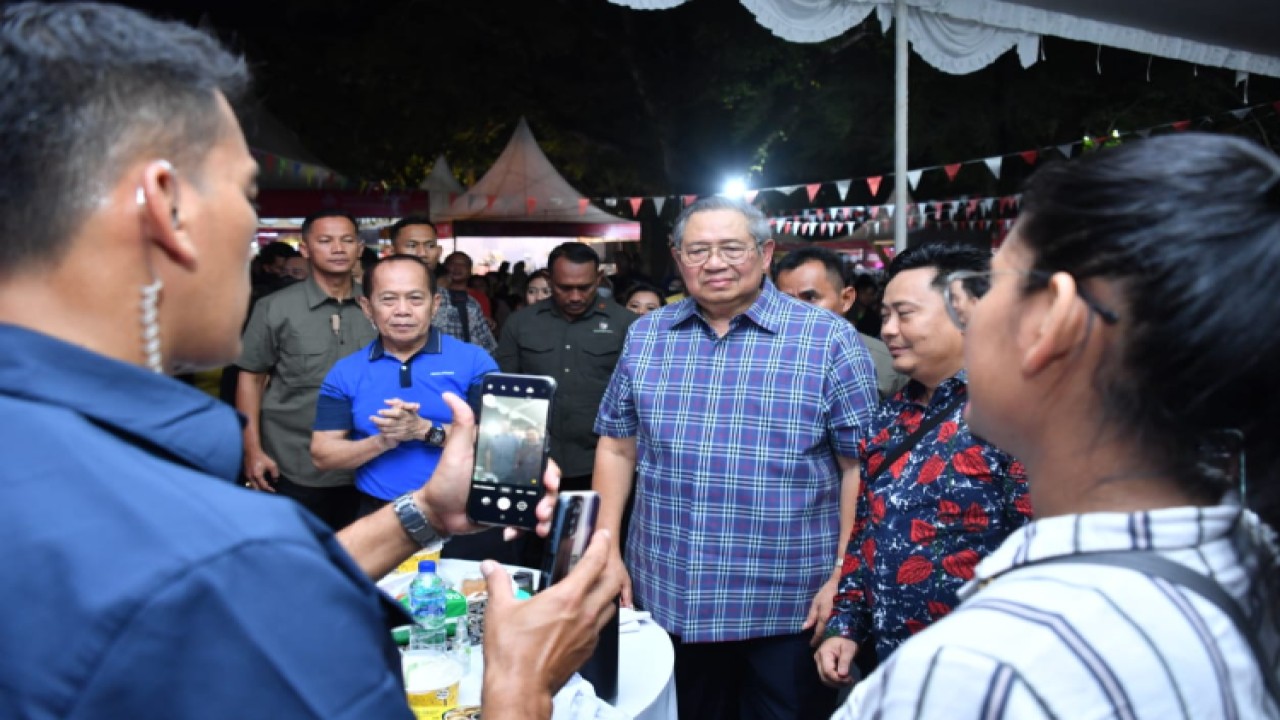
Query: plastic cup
431, 682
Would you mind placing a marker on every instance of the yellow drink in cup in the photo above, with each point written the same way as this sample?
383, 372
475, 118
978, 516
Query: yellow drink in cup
411, 565
431, 682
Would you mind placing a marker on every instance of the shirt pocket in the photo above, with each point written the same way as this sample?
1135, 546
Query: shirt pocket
600, 356
303, 360
537, 355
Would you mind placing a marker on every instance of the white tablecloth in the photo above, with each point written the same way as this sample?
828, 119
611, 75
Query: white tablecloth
646, 660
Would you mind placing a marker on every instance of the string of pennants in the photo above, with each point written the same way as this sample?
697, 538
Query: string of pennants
994, 165
995, 214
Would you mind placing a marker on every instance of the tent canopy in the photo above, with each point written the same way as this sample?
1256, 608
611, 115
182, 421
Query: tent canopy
961, 36
523, 195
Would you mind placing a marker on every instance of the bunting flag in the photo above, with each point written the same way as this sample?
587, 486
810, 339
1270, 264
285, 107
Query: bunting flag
1182, 125
635, 202
658, 204
812, 190
952, 170
993, 164
489, 200
1066, 150
787, 189
688, 199
530, 204
873, 184
913, 178
1240, 114
842, 187
1145, 132
1029, 156
582, 205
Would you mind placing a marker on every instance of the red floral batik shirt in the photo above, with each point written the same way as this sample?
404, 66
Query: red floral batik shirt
923, 524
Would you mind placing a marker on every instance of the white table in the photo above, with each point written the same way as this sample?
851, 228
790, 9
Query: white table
646, 660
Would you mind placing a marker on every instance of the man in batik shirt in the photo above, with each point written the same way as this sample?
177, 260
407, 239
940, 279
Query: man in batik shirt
946, 498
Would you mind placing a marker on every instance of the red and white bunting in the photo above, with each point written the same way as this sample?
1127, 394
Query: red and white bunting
688, 199
1182, 125
842, 187
530, 204
658, 202
812, 190
635, 203
1029, 156
952, 170
582, 205
993, 164
873, 183
913, 178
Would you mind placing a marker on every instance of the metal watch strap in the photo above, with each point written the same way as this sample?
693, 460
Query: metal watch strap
415, 523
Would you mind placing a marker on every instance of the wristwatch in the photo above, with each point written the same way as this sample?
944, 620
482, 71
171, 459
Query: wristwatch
415, 523
435, 436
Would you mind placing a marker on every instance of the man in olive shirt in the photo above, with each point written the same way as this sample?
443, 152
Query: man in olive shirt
574, 336
293, 338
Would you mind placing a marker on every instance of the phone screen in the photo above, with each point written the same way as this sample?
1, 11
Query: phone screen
511, 448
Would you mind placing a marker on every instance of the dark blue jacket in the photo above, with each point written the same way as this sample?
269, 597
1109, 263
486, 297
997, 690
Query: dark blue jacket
138, 581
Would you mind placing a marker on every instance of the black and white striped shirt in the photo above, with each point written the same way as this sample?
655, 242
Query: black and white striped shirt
1090, 641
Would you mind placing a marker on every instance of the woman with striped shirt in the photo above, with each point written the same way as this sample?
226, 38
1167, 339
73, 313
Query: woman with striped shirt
1128, 353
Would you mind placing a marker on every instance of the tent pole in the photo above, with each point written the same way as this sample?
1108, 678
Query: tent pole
900, 186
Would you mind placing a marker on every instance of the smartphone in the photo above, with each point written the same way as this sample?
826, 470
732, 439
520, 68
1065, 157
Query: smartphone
511, 449
571, 529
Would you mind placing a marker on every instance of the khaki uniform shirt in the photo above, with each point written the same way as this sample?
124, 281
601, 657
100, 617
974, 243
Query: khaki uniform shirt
293, 337
580, 355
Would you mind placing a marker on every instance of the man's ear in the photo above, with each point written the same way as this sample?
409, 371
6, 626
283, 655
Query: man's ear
1061, 328
847, 296
159, 205
365, 306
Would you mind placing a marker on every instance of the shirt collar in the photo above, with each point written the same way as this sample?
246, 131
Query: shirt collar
180, 420
767, 312
433, 347
317, 296
598, 305
947, 390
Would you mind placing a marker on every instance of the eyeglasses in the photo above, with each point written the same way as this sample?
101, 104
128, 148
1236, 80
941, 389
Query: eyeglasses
965, 287
697, 255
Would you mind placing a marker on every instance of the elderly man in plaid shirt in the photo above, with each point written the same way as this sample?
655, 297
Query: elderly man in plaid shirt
736, 414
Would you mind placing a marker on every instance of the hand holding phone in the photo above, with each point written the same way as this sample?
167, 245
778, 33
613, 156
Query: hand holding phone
511, 449
571, 529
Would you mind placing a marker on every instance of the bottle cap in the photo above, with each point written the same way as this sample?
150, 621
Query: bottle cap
427, 566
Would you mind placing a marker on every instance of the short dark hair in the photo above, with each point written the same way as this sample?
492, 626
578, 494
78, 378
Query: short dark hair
575, 252
277, 251
945, 258
1186, 229
88, 90
643, 287
372, 269
458, 253
327, 213
829, 259
408, 220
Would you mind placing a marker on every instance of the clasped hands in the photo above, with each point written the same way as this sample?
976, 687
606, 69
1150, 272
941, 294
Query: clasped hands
399, 422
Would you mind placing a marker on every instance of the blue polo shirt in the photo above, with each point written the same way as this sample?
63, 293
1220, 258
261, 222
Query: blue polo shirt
359, 385
140, 582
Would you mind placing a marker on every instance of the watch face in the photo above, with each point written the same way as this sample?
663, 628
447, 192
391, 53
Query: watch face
435, 435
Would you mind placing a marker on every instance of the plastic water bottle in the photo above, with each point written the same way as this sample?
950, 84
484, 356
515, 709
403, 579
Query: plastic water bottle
427, 606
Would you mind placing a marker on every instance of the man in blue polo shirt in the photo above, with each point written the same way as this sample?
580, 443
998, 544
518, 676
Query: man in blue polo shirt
380, 409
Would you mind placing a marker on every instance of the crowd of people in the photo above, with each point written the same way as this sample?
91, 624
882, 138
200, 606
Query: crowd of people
978, 486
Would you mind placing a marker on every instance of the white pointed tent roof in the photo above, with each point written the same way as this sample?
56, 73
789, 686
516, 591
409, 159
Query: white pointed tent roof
441, 179
523, 187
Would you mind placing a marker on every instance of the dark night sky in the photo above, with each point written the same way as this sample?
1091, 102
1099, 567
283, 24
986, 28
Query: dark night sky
670, 102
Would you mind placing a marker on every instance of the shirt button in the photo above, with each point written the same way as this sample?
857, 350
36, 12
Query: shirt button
404, 367
566, 369
568, 347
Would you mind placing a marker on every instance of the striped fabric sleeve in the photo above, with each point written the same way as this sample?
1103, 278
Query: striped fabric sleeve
852, 394
945, 683
617, 417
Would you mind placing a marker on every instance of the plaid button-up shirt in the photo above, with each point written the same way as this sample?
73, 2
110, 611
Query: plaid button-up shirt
738, 488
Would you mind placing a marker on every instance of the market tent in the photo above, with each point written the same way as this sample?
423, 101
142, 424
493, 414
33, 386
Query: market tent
962, 36
523, 195
442, 185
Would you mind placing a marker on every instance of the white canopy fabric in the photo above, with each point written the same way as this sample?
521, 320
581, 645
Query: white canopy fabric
961, 36
523, 186
442, 186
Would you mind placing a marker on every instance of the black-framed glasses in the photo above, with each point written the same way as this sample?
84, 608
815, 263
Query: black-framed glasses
731, 253
963, 288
